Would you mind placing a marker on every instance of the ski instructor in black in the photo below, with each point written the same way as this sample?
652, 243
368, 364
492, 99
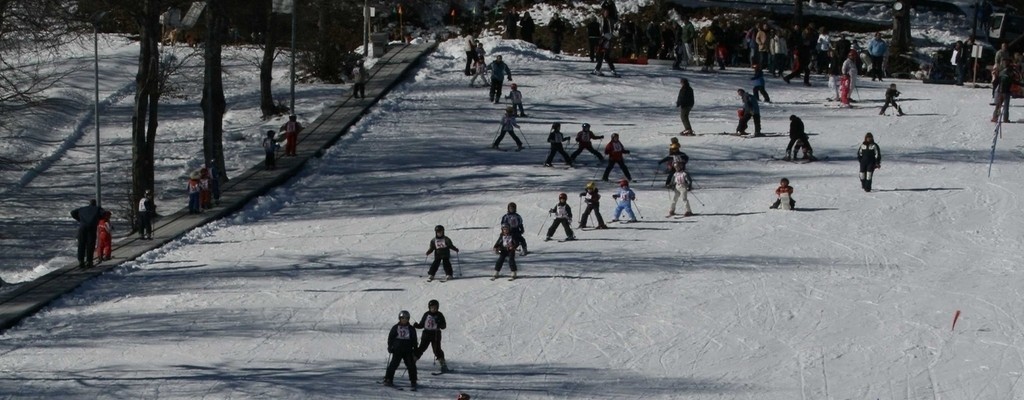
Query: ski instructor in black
556, 139
402, 347
604, 47
870, 157
499, 70
88, 217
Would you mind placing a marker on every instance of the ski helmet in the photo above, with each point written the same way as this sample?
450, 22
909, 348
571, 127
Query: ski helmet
403, 314
512, 207
439, 228
623, 182
591, 185
586, 126
562, 196
497, 58
509, 109
514, 86
433, 303
505, 226
615, 136
673, 147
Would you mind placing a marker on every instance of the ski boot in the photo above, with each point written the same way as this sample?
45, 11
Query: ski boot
430, 278
444, 366
446, 278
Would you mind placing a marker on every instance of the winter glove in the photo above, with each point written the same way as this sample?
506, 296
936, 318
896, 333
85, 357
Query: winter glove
879, 165
615, 196
391, 349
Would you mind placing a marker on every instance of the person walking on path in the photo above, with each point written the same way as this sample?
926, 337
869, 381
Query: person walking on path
402, 346
103, 237
563, 217
593, 201
585, 141
146, 210
505, 248
499, 71
684, 102
508, 125
194, 189
555, 138
269, 147
870, 158
432, 323
359, 84
442, 247
683, 185
750, 110
779, 52
616, 156
291, 131
88, 218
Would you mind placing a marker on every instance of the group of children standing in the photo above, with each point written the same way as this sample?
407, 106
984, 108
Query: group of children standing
403, 345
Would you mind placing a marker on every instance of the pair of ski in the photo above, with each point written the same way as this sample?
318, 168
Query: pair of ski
800, 160
510, 279
561, 240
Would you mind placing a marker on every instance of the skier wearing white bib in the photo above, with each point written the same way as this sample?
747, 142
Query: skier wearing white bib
563, 216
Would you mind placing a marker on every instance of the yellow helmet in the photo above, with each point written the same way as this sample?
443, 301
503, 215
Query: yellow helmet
673, 147
591, 185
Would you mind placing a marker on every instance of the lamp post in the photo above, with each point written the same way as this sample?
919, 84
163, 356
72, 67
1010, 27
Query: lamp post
366, 28
96, 113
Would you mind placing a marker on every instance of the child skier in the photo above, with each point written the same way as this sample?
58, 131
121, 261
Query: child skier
432, 323
758, 81
193, 193
269, 147
593, 200
480, 69
508, 125
291, 131
890, 99
515, 224
623, 199
402, 347
674, 158
785, 194
517, 99
584, 141
798, 140
563, 216
103, 237
555, 138
505, 248
442, 247
683, 187
870, 158
844, 91
615, 152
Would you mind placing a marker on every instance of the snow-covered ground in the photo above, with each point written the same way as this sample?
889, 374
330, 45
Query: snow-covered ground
850, 297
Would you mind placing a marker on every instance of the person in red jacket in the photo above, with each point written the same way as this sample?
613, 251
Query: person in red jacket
615, 151
291, 131
784, 191
103, 239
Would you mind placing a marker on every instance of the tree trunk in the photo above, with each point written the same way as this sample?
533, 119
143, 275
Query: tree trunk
213, 102
267, 67
901, 40
147, 96
798, 12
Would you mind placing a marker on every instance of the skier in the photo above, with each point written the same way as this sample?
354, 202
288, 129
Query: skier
758, 79
359, 83
870, 158
890, 99
402, 347
584, 141
683, 186
508, 125
193, 193
517, 99
563, 216
505, 248
1004, 93
442, 247
604, 47
624, 198
750, 110
784, 193
515, 223
499, 70
480, 68
674, 158
849, 70
88, 217
432, 323
103, 238
593, 200
685, 103
615, 152
555, 138
798, 140
845, 86
291, 131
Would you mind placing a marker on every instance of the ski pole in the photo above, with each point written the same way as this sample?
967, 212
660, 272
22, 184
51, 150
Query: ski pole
690, 193
542, 226
525, 140
458, 263
638, 209
496, 134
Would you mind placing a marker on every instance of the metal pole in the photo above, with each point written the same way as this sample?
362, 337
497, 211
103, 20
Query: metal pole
293, 58
366, 28
96, 111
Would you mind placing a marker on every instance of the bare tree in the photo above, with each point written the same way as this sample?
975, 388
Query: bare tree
147, 96
213, 103
267, 105
901, 39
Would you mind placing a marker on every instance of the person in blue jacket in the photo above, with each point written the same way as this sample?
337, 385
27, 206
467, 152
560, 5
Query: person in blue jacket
758, 81
499, 70
750, 110
877, 49
623, 199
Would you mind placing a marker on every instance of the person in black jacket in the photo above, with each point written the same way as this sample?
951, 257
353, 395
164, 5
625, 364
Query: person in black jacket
511, 23
563, 217
798, 140
442, 247
402, 347
505, 247
870, 157
432, 323
593, 200
557, 28
147, 210
88, 217
685, 103
593, 38
675, 157
556, 138
527, 26
890, 99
